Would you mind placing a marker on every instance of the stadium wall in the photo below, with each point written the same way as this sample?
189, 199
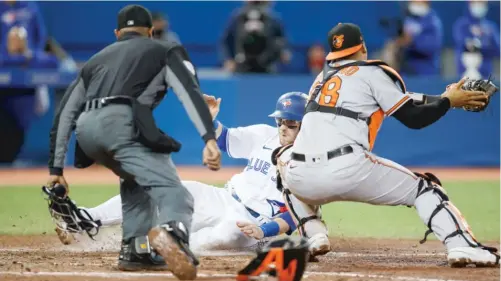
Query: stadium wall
460, 139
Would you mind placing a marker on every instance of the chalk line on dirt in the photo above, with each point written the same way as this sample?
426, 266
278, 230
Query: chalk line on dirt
215, 275
230, 253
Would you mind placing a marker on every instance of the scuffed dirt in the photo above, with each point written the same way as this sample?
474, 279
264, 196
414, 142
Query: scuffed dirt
386, 258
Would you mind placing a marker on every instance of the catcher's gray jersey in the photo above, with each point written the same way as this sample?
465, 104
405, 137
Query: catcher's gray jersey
364, 89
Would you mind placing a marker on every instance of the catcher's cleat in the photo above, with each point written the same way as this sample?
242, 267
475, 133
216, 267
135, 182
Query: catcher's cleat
319, 245
284, 259
137, 255
463, 256
171, 242
69, 218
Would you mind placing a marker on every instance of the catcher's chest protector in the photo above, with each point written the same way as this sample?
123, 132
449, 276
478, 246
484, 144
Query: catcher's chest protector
330, 71
283, 258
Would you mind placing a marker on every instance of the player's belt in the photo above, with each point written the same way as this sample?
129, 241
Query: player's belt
101, 102
343, 150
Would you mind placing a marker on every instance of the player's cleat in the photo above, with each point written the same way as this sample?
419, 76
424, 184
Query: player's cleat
171, 242
136, 255
463, 256
319, 244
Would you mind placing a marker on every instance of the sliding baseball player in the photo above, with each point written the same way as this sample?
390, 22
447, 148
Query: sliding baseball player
249, 208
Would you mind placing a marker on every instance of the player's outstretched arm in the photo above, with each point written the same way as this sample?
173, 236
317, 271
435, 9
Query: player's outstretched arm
241, 141
418, 116
182, 77
280, 225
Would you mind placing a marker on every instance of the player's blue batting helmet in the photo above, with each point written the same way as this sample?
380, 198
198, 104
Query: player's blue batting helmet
290, 106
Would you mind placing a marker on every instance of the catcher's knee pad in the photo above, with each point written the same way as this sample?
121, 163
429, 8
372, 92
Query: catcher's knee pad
283, 258
431, 201
308, 218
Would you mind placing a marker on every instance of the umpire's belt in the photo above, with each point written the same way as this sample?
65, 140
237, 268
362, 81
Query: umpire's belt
343, 150
101, 102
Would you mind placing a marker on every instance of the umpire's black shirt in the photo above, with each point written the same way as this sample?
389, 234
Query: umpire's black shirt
134, 66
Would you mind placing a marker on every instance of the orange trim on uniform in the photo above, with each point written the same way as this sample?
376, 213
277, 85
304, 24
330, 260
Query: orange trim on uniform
396, 106
376, 122
460, 217
343, 53
375, 161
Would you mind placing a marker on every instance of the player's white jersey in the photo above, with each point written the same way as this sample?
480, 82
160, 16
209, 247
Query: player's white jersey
256, 184
365, 89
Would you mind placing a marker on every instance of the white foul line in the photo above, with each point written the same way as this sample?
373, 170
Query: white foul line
241, 253
216, 275
375, 276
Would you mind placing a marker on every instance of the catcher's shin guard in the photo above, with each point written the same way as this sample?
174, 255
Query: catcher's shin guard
444, 219
67, 216
284, 259
309, 223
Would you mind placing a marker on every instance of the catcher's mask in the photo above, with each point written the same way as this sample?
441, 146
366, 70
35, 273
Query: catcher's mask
283, 258
66, 215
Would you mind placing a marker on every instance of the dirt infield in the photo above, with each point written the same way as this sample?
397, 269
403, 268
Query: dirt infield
99, 175
44, 258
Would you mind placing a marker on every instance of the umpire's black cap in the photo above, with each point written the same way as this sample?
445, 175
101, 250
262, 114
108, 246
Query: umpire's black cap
134, 15
344, 39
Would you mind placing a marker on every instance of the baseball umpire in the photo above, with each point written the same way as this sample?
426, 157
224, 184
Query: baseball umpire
110, 108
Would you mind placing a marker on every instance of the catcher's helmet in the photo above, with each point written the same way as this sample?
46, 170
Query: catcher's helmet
283, 258
290, 106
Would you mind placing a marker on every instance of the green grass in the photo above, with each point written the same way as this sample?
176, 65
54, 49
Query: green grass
23, 211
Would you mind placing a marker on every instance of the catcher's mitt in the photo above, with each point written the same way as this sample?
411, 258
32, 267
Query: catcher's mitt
485, 86
66, 215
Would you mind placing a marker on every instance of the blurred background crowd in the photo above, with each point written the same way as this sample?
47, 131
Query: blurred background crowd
418, 38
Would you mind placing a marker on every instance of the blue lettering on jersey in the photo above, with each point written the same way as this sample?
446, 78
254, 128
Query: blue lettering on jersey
258, 165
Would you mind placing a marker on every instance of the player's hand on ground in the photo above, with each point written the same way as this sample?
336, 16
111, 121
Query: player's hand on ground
212, 155
53, 180
460, 98
251, 230
213, 104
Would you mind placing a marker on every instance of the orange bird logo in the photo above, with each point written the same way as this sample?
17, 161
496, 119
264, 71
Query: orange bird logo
337, 41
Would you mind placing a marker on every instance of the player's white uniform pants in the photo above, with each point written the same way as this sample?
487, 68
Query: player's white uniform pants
361, 176
215, 217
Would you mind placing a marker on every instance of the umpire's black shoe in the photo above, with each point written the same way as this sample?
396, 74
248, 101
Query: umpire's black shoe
136, 255
171, 241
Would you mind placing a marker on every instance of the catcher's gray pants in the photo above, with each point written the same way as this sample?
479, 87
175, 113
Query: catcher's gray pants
150, 188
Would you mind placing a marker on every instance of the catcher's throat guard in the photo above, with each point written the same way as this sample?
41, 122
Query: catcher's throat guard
66, 215
284, 259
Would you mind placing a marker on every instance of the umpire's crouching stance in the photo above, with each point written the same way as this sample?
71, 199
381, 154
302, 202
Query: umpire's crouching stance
112, 101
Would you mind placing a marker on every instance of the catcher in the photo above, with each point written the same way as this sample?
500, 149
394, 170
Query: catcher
331, 159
